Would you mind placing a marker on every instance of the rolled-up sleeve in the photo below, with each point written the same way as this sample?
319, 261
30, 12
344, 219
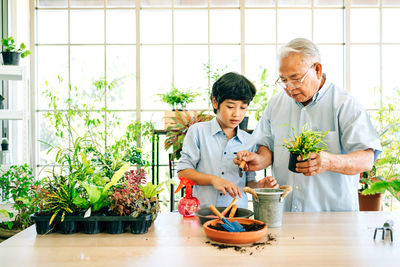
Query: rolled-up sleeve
356, 129
190, 154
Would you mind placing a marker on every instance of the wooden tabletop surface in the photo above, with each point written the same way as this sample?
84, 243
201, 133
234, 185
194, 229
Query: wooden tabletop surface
305, 239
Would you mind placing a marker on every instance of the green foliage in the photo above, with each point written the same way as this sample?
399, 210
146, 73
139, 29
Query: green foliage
264, 92
306, 142
392, 186
16, 184
9, 45
150, 190
178, 99
176, 134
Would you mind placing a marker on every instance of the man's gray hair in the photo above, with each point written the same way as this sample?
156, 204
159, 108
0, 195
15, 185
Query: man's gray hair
308, 49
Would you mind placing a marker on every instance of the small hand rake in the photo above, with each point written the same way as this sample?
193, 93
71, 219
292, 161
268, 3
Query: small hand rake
387, 226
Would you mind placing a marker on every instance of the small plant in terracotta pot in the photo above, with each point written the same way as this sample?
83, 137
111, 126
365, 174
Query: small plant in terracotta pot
303, 144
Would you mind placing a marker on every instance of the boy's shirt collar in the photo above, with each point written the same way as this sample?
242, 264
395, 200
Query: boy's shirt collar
216, 128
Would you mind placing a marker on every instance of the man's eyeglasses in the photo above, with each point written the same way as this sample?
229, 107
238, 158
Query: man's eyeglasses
295, 83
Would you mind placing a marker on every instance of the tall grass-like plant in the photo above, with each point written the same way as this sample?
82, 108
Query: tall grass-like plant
305, 142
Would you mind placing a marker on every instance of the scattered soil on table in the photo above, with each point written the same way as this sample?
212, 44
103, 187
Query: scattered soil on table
246, 248
248, 227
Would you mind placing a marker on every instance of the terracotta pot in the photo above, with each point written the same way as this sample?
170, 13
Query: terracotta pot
235, 237
369, 202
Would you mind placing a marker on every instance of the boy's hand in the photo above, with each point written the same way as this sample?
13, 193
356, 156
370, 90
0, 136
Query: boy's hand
268, 181
252, 160
225, 186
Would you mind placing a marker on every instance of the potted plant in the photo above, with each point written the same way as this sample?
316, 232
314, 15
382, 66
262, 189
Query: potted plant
178, 100
15, 185
303, 144
11, 53
175, 135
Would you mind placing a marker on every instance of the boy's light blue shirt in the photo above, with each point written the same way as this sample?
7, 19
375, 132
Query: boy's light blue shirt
350, 130
207, 150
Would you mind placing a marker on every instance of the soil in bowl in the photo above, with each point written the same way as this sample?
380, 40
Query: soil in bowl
248, 227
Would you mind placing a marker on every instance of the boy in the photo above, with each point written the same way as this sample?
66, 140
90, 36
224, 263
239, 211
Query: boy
210, 147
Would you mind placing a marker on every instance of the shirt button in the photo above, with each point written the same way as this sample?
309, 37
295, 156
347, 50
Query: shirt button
295, 207
297, 187
304, 109
224, 153
222, 173
220, 194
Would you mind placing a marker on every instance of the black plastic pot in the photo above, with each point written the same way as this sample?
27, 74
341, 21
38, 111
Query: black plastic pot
244, 123
68, 227
115, 227
11, 58
141, 225
42, 224
4, 147
91, 227
293, 161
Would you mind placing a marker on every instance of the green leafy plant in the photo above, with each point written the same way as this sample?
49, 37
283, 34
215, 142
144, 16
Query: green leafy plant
178, 99
306, 142
9, 45
264, 92
176, 134
385, 174
16, 184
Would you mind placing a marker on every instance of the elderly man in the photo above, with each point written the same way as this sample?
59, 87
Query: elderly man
328, 181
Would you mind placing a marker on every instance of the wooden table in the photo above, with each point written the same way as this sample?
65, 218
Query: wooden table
305, 239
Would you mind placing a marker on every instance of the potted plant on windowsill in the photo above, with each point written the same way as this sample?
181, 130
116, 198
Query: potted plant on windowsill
176, 134
178, 100
303, 144
11, 53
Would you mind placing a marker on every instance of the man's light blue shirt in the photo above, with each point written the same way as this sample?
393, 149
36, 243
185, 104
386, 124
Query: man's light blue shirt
350, 130
207, 149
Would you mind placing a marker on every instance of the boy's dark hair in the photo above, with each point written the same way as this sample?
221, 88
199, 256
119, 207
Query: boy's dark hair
233, 86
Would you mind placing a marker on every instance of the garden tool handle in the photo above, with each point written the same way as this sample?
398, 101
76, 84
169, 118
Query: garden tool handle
216, 212
242, 164
251, 191
233, 211
234, 201
388, 224
287, 189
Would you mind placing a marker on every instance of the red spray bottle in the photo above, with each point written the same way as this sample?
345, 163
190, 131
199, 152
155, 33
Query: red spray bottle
188, 205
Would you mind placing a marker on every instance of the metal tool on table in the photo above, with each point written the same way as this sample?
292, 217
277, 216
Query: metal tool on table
230, 226
387, 226
225, 211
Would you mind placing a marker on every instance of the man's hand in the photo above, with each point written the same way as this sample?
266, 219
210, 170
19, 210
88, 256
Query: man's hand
225, 186
268, 182
253, 160
315, 164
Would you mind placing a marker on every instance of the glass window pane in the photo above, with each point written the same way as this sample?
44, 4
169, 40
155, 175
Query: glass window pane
390, 25
224, 3
191, 74
324, 30
391, 2
87, 3
87, 65
52, 3
225, 26
225, 56
260, 3
390, 71
156, 26
294, 2
332, 63
120, 3
52, 26
156, 3
121, 66
364, 2
121, 26
329, 3
191, 3
290, 17
191, 26
264, 21
365, 77
87, 26
118, 123
258, 58
158, 119
155, 78
364, 25
52, 61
